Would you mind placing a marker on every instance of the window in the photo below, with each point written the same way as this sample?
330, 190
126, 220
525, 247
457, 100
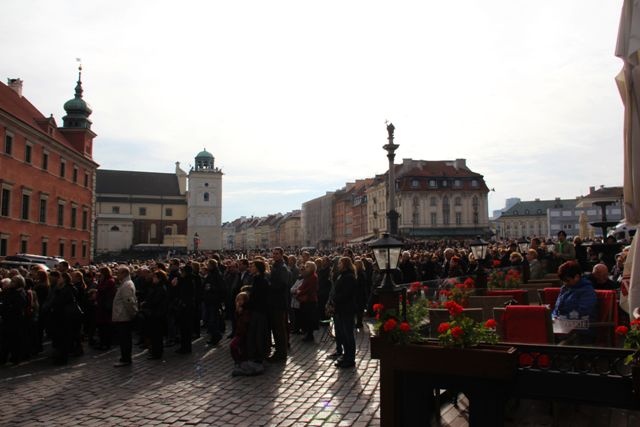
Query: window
445, 210
74, 214
61, 249
3, 246
115, 228
457, 183
63, 168
168, 212
73, 249
28, 149
84, 249
444, 183
476, 220
75, 174
45, 161
44, 247
457, 201
415, 183
25, 206
23, 246
432, 183
433, 201
115, 209
206, 197
168, 231
43, 211
142, 211
434, 218
6, 197
86, 180
458, 218
474, 202
60, 214
474, 182
85, 219
8, 144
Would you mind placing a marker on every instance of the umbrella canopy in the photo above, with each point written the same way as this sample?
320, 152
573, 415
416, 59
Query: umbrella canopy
628, 81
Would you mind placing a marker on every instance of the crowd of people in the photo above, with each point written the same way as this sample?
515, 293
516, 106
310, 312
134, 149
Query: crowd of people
258, 300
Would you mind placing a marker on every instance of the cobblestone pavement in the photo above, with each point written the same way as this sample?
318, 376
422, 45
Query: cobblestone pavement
195, 389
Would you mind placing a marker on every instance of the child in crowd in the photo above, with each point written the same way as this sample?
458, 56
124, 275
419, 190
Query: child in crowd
238, 345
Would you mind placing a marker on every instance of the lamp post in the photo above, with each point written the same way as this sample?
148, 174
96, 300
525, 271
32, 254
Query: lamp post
386, 251
479, 250
523, 245
392, 215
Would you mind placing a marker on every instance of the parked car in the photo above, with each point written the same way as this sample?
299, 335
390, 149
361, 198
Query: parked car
9, 264
49, 261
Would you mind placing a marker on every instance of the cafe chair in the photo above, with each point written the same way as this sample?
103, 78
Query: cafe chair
548, 296
530, 324
607, 317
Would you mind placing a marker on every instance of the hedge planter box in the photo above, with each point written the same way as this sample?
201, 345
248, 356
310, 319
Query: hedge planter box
492, 362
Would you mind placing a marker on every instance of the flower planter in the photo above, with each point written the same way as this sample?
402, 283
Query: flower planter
494, 362
635, 376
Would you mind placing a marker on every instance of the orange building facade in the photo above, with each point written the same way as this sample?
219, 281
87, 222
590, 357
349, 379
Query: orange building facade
47, 178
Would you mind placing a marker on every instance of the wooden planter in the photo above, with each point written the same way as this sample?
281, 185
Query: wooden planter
492, 362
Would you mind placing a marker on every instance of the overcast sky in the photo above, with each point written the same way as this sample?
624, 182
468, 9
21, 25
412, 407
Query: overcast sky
291, 97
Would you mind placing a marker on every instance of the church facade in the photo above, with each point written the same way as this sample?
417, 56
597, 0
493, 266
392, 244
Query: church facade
150, 210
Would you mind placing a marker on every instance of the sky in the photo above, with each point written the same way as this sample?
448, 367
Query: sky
291, 97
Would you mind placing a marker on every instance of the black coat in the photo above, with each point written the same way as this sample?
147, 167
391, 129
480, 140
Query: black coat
279, 287
345, 294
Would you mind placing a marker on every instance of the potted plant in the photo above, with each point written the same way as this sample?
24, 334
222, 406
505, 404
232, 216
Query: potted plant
631, 336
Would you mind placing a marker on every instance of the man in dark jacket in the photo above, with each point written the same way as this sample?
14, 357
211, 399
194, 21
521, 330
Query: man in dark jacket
278, 296
214, 295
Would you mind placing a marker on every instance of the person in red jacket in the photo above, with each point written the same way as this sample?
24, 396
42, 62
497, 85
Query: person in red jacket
307, 295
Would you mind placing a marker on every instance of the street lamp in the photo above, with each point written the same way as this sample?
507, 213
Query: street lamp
479, 248
387, 253
523, 244
392, 215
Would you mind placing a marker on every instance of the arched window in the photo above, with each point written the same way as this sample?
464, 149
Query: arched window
206, 197
168, 231
433, 202
115, 228
457, 201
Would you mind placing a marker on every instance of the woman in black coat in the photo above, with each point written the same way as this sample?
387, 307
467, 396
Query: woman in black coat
63, 315
345, 304
154, 311
185, 307
13, 304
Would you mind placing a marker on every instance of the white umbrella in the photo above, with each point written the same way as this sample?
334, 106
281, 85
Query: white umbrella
628, 81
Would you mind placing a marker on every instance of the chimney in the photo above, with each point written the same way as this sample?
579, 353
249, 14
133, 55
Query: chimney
592, 189
460, 163
16, 85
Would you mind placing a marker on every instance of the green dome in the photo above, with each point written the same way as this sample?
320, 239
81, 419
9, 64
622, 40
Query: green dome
77, 105
204, 154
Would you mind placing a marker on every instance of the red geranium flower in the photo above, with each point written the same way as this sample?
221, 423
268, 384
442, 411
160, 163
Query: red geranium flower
444, 327
622, 330
544, 361
454, 308
414, 287
635, 322
457, 332
405, 327
378, 308
496, 263
390, 325
469, 283
490, 323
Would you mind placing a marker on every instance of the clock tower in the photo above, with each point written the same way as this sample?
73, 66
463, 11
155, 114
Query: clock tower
204, 200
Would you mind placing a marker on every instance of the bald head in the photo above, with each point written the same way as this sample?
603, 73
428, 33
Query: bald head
600, 273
